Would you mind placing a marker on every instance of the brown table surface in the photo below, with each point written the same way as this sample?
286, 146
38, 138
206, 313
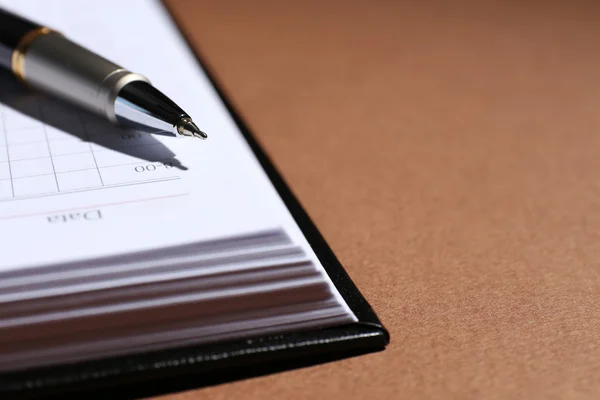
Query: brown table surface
450, 154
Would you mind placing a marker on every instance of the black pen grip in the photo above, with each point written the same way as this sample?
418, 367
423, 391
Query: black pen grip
12, 29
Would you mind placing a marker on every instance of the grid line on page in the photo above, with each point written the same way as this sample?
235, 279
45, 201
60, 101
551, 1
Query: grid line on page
12, 190
174, 178
41, 113
87, 135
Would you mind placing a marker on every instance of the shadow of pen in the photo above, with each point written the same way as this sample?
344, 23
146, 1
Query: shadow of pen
81, 124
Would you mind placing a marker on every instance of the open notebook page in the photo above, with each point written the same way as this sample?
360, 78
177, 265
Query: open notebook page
73, 187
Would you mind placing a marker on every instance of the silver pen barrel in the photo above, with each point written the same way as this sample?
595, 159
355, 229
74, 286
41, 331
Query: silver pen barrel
61, 67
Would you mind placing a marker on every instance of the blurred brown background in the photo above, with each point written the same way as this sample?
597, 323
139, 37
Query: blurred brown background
450, 154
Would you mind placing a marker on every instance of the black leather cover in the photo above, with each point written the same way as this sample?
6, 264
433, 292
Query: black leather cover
181, 368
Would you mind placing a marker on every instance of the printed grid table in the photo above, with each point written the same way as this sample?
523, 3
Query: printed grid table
37, 157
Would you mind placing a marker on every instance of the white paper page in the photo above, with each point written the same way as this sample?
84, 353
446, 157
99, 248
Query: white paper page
65, 197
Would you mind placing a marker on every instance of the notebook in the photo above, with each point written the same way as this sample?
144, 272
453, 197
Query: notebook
122, 250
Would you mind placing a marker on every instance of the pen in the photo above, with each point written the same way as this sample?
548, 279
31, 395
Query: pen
48, 61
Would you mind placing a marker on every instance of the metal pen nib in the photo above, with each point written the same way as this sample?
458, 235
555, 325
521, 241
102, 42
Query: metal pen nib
187, 127
141, 106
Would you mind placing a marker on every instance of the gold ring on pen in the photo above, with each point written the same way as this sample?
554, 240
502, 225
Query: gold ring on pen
18, 55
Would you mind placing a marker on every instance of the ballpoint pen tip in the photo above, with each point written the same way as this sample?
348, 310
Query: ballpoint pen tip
186, 127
